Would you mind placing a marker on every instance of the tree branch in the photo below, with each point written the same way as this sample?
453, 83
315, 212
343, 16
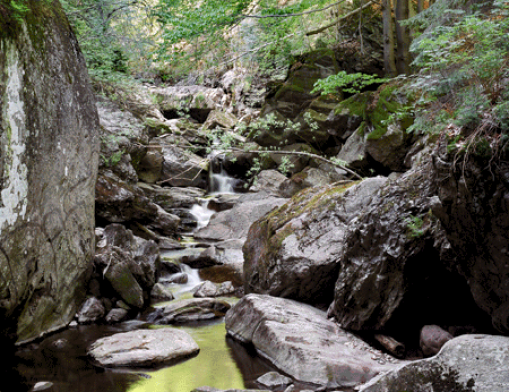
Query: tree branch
339, 20
296, 14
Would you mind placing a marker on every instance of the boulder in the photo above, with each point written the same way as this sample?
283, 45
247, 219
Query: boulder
197, 101
300, 341
188, 310
209, 257
234, 223
465, 364
143, 348
183, 169
274, 380
432, 339
48, 164
130, 264
160, 292
116, 315
208, 289
91, 311
473, 208
293, 252
398, 271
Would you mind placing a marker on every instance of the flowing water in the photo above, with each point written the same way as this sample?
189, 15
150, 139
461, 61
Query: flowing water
62, 361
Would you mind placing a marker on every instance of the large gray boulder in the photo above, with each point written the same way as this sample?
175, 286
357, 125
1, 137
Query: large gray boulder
48, 166
300, 341
143, 348
294, 252
468, 363
398, 271
235, 223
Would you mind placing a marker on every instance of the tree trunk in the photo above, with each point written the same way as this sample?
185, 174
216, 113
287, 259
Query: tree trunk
388, 39
402, 37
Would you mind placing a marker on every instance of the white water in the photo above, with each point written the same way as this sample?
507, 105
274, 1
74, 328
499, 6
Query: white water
221, 183
202, 213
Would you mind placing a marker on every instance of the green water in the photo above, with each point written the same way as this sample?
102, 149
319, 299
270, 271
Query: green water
214, 366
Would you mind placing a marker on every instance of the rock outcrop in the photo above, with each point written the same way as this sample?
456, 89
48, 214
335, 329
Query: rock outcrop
48, 165
295, 251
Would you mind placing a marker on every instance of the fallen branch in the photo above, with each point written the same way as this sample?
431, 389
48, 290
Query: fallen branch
300, 153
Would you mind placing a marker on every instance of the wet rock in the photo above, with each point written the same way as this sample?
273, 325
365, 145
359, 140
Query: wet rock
179, 278
160, 292
234, 223
169, 266
143, 348
209, 257
151, 165
273, 380
130, 264
465, 364
182, 168
293, 252
91, 311
300, 341
116, 315
432, 339
208, 289
189, 310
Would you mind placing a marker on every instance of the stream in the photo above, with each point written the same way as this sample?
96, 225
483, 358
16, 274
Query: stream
59, 363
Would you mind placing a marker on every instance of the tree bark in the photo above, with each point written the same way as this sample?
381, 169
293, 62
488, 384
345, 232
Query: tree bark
388, 39
402, 37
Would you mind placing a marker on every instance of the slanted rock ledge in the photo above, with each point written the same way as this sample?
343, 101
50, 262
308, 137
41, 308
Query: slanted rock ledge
300, 341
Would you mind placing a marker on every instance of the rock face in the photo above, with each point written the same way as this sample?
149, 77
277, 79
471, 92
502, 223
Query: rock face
474, 211
48, 164
466, 364
301, 342
398, 272
294, 251
143, 348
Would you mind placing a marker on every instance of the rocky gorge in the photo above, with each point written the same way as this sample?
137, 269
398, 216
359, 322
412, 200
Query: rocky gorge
384, 273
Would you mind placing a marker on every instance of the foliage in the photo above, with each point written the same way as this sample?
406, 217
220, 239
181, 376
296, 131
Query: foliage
463, 65
219, 32
349, 83
115, 36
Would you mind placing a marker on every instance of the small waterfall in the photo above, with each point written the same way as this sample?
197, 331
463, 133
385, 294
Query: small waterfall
219, 181
202, 213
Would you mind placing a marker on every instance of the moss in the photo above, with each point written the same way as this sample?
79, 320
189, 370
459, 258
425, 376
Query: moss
355, 105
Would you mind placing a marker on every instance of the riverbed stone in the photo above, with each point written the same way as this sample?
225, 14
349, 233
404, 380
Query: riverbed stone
91, 311
143, 348
188, 310
432, 339
469, 363
273, 380
300, 341
116, 315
